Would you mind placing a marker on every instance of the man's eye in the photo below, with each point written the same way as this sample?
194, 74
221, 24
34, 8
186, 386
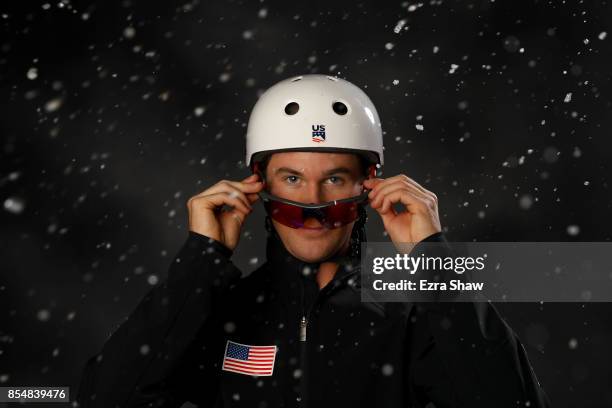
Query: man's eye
334, 179
291, 179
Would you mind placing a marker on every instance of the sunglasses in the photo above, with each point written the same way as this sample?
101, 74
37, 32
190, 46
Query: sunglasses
331, 214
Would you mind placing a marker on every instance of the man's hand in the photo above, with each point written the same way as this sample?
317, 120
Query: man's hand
208, 217
418, 221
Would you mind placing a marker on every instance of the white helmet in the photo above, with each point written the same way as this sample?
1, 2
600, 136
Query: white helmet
314, 113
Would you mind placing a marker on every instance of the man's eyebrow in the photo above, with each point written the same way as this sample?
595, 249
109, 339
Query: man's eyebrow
337, 170
287, 170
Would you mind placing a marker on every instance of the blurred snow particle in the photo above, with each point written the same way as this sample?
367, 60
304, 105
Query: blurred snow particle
297, 373
4, 378
436, 49
395, 81
526, 201
247, 34
462, 105
70, 316
577, 152
14, 205
144, 349
55, 352
229, 327
573, 230
199, 110
129, 32
43, 315
586, 295
224, 77
572, 343
387, 370
263, 13
453, 68
152, 280
53, 104
413, 7
46, 6
602, 36
568, 97
389, 46
51, 228
398, 27
586, 182
418, 126
253, 261
446, 323
32, 73
511, 43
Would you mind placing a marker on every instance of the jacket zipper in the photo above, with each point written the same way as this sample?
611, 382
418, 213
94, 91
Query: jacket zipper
303, 324
303, 333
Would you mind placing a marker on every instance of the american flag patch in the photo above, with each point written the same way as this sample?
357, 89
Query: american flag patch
246, 359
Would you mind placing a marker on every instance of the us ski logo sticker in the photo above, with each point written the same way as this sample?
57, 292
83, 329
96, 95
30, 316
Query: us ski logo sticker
318, 133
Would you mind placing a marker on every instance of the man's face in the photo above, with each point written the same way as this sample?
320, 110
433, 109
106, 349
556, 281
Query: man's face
310, 177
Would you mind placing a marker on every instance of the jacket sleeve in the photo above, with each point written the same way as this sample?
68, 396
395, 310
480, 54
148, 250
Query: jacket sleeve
463, 354
136, 365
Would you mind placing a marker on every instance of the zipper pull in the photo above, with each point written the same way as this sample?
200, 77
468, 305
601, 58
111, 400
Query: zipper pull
303, 324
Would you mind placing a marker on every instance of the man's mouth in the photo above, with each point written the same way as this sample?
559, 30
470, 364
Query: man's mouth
312, 224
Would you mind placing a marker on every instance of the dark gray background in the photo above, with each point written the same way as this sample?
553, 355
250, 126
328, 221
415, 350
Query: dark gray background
101, 147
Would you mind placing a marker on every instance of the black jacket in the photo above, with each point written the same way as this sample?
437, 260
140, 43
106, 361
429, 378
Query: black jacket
170, 349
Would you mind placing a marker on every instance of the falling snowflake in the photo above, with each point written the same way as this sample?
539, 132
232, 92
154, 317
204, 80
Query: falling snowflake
387, 369
32, 73
14, 205
573, 230
129, 32
398, 27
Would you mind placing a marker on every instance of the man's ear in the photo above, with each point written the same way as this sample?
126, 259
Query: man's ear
256, 169
372, 171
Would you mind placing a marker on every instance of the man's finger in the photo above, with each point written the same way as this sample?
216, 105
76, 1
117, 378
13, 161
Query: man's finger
252, 197
389, 188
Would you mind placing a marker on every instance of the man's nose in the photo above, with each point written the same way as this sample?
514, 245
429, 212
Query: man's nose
313, 194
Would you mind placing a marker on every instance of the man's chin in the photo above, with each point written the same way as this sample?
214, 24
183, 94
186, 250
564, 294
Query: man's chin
311, 256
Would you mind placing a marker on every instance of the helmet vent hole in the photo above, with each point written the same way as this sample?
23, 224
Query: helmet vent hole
292, 108
331, 78
296, 79
340, 108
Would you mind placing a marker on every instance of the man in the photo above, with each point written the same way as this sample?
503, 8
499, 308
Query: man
294, 333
